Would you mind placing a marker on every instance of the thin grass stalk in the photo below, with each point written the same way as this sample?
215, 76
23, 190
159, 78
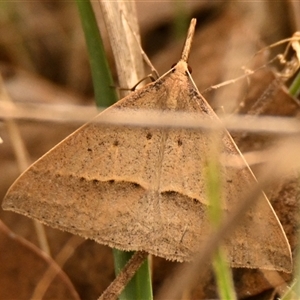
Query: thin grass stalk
294, 291
181, 20
23, 161
140, 285
121, 24
221, 268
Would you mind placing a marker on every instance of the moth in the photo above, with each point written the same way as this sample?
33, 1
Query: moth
144, 188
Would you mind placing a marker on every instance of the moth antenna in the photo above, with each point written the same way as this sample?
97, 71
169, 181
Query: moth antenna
188, 42
144, 55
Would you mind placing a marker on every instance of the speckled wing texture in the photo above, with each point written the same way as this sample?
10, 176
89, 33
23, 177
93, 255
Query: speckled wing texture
138, 188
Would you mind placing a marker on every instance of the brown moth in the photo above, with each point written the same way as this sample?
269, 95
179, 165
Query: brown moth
143, 188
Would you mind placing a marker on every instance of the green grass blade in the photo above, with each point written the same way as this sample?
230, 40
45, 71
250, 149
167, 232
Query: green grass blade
295, 86
223, 276
140, 285
214, 191
292, 292
105, 94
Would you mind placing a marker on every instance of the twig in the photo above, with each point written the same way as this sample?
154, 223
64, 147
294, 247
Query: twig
117, 286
